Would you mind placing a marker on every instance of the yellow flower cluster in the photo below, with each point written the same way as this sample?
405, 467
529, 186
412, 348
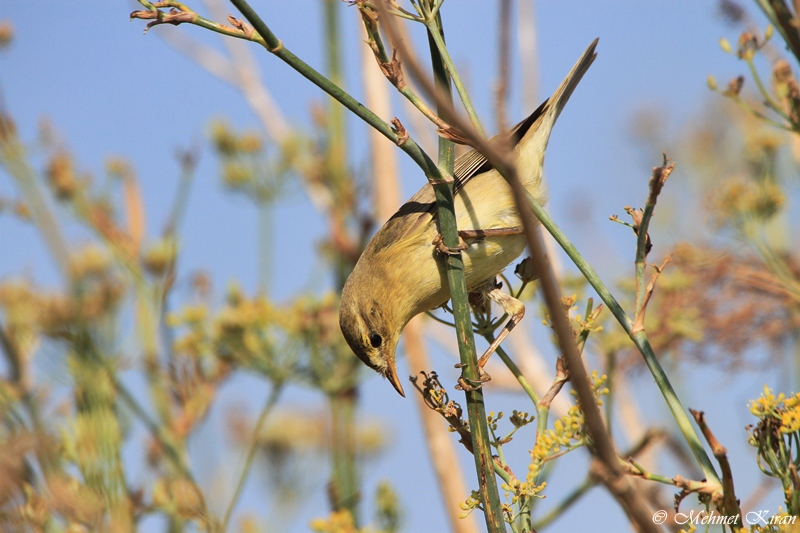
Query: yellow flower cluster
237, 332
336, 522
470, 504
91, 260
790, 418
767, 404
228, 142
787, 410
29, 311
160, 256
523, 489
739, 199
567, 432
254, 333
195, 341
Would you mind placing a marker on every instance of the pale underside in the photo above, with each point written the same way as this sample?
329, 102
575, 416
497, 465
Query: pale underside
484, 202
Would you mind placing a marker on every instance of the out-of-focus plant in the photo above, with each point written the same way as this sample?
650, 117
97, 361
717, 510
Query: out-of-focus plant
62, 466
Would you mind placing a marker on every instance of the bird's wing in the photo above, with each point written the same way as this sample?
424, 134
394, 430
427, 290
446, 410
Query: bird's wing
416, 215
420, 209
473, 162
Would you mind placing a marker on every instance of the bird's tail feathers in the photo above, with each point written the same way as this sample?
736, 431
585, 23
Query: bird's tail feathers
564, 91
541, 121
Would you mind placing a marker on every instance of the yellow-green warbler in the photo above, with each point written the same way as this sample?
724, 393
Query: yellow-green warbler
401, 273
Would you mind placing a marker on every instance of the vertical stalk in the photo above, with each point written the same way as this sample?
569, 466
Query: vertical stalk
344, 492
264, 207
436, 39
484, 463
97, 433
638, 338
13, 159
335, 124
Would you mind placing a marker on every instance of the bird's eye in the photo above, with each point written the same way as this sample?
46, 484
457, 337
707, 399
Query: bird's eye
375, 340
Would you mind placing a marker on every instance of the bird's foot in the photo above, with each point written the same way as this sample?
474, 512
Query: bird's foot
472, 234
443, 249
515, 311
467, 384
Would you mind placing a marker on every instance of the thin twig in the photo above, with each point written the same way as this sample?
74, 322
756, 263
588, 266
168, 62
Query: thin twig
638, 322
641, 226
252, 448
729, 503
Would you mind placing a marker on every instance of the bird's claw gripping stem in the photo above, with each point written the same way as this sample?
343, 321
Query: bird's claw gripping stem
443, 249
467, 384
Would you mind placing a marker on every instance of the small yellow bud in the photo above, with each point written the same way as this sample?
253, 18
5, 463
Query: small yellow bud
768, 32
712, 82
725, 45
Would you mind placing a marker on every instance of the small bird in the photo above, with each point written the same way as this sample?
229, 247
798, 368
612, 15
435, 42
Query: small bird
401, 272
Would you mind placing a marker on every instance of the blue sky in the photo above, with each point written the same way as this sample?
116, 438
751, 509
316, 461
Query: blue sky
110, 90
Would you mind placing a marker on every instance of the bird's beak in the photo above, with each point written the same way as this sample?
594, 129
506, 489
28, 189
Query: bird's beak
392, 376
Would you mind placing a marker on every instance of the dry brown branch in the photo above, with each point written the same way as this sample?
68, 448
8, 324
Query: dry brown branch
730, 503
638, 322
562, 376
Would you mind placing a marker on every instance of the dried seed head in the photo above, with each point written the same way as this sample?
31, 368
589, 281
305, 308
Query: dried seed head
527, 270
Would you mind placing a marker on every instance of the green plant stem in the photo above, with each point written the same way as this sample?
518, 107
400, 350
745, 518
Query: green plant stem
252, 448
571, 498
482, 453
644, 474
13, 158
761, 116
335, 124
181, 200
641, 258
433, 25
784, 20
512, 366
343, 403
770, 101
611, 375
274, 45
344, 479
639, 339
379, 50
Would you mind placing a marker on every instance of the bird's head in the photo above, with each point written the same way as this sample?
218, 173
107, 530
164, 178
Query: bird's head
371, 331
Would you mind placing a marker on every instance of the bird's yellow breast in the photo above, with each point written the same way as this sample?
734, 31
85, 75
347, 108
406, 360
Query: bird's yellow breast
485, 202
